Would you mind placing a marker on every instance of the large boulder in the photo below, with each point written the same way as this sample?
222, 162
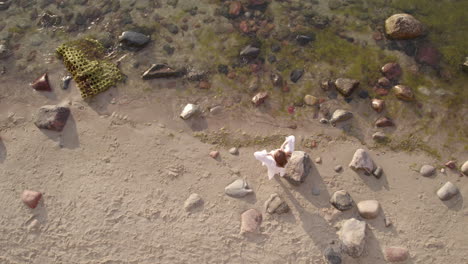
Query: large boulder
362, 161
298, 167
352, 236
52, 117
403, 26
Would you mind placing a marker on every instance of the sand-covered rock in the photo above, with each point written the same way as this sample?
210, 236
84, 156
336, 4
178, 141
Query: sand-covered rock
427, 170
396, 254
403, 26
352, 236
298, 167
192, 202
250, 221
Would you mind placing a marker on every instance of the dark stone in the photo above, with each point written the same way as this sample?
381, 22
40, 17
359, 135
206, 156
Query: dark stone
162, 71
223, 69
272, 59
275, 47
42, 83
305, 39
276, 79
52, 117
134, 39
250, 52
66, 82
363, 94
296, 75
174, 29
332, 256
48, 20
346, 86
168, 49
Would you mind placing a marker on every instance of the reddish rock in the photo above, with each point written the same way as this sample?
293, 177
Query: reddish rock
214, 154
396, 254
31, 198
204, 85
235, 8
250, 221
384, 122
392, 70
255, 67
377, 104
231, 75
259, 98
381, 91
451, 164
384, 82
41, 83
429, 55
291, 109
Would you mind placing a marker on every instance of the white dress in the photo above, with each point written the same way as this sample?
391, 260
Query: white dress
269, 161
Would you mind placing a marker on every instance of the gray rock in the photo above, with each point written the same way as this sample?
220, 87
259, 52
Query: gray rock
352, 236
234, 151
332, 255
338, 168
447, 191
189, 111
174, 29
250, 221
66, 81
340, 115
250, 52
298, 167
379, 137
161, 70
341, 200
4, 52
346, 86
403, 26
134, 39
396, 254
362, 161
378, 172
464, 168
296, 75
239, 188
368, 209
52, 117
275, 204
427, 170
192, 202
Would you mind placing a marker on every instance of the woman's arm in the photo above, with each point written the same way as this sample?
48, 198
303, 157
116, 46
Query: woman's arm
288, 145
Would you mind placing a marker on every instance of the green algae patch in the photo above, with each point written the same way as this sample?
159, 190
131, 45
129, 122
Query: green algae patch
226, 139
84, 59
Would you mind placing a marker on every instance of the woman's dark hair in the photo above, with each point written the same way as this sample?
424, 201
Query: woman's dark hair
281, 158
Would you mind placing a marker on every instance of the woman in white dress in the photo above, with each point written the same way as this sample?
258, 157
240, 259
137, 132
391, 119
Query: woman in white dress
276, 160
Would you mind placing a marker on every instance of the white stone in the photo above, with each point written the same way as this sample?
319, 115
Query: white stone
193, 201
447, 191
368, 209
189, 111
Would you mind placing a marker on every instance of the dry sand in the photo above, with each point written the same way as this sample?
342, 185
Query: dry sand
114, 190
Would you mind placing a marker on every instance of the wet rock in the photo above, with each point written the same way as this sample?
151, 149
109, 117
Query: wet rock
259, 98
332, 255
48, 20
305, 39
52, 117
368, 209
235, 8
451, 164
379, 137
298, 167
172, 28
234, 151
296, 75
377, 104
31, 198
250, 221
392, 71
276, 79
192, 202
338, 168
346, 86
447, 191
250, 52
275, 204
162, 71
403, 92
352, 236
427, 170
396, 254
340, 115
214, 154
341, 200
384, 122
238, 188
362, 161
403, 26
310, 100
66, 81
464, 168
189, 111
41, 84
429, 55
134, 39
384, 82
378, 172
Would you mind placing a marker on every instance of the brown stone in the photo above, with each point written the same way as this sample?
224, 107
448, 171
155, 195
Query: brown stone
250, 221
403, 26
428, 54
214, 154
235, 8
244, 26
204, 85
384, 122
259, 98
392, 70
346, 86
378, 105
41, 84
451, 164
31, 198
396, 254
381, 91
403, 92
384, 82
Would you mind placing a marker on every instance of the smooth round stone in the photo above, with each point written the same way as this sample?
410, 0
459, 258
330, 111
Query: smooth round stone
368, 209
338, 168
447, 191
396, 254
427, 170
464, 168
341, 200
310, 100
234, 151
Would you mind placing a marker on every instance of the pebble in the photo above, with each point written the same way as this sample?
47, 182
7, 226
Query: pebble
403, 92
378, 172
250, 221
341, 200
250, 52
392, 71
174, 29
66, 82
134, 39
42, 83
451, 164
447, 191
192, 202
377, 104
189, 111
254, 84
362, 161
332, 256
310, 100
379, 136
214, 154
259, 98
305, 39
384, 82
396, 254
346, 86
238, 188
352, 236
464, 168
296, 75
340, 115
52, 117
318, 160
427, 170
323, 121
234, 151
275, 204
31, 198
338, 168
368, 209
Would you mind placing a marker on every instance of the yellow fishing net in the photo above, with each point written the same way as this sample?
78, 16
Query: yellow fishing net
84, 59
